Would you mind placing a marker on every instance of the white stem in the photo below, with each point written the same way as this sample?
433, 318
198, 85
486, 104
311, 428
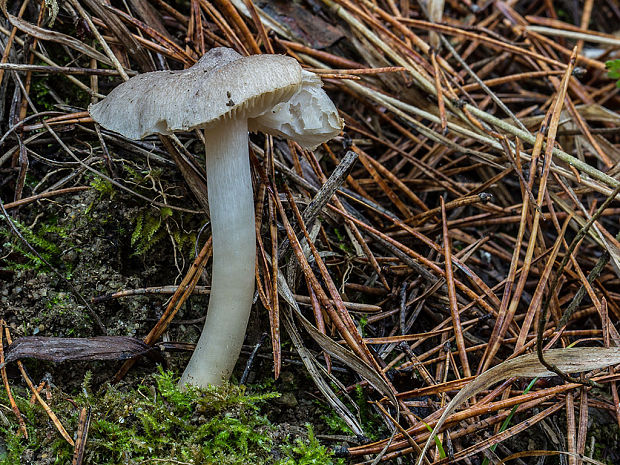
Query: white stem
231, 209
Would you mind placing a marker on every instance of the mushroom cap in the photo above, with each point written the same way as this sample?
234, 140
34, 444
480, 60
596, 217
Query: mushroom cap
221, 85
309, 117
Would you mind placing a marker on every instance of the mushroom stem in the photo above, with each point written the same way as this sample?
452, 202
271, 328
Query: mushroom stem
231, 209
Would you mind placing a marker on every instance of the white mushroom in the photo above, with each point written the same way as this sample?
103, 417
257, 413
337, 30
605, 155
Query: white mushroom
225, 94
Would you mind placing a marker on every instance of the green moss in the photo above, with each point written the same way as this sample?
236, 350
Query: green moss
221, 425
153, 224
41, 91
42, 238
307, 452
613, 67
104, 187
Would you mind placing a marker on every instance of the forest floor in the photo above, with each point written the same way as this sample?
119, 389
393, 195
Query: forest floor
465, 219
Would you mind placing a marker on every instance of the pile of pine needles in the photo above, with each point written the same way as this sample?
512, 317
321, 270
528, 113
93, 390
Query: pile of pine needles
466, 216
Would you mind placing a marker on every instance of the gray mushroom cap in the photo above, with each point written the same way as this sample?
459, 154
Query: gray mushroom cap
222, 84
265, 89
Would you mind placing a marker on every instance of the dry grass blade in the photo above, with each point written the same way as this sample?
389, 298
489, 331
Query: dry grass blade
337, 350
574, 360
310, 363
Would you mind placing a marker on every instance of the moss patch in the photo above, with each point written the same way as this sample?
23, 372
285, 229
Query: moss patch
158, 423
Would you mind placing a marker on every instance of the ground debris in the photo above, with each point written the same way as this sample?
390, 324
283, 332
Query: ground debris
61, 349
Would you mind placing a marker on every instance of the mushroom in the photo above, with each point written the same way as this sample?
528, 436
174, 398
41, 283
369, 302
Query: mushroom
225, 95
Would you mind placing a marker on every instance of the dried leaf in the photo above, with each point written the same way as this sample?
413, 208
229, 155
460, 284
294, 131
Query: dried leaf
570, 360
59, 349
305, 26
265, 19
314, 370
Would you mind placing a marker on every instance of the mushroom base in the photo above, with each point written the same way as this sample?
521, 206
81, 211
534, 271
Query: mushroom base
231, 209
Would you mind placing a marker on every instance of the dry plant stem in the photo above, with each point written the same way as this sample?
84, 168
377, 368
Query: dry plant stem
5, 381
574, 35
454, 310
583, 420
198, 39
511, 78
82, 436
274, 314
44, 195
231, 209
